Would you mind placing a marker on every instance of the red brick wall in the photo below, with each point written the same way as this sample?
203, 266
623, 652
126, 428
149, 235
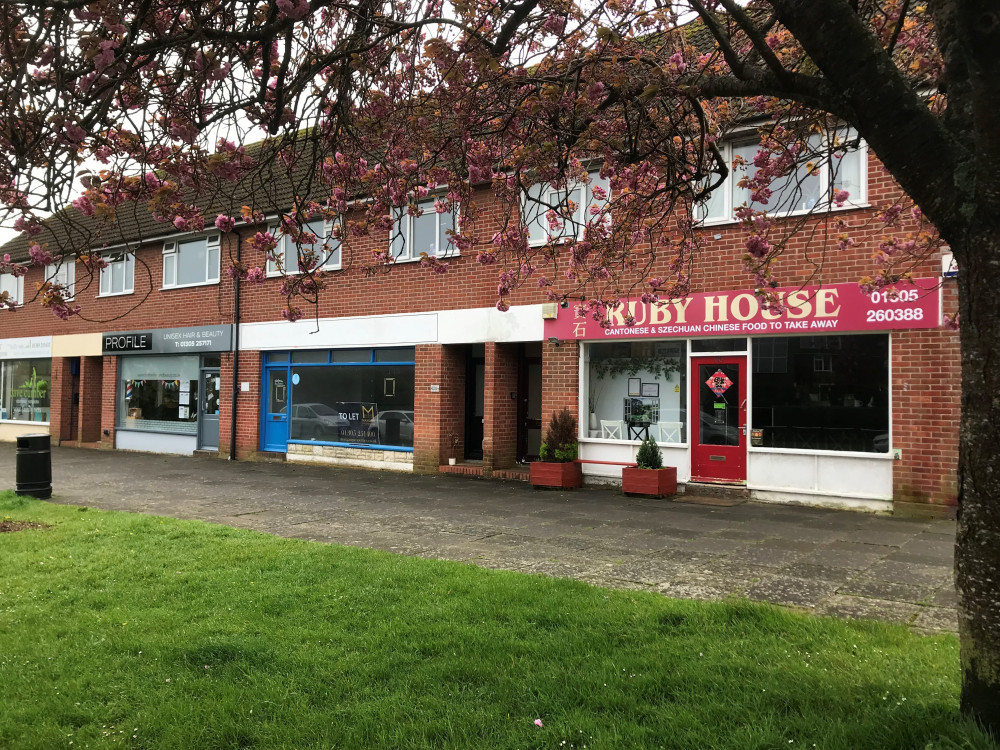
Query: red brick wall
560, 384
92, 395
60, 400
247, 404
108, 401
499, 409
438, 415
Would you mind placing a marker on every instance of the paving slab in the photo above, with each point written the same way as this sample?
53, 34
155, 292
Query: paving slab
833, 562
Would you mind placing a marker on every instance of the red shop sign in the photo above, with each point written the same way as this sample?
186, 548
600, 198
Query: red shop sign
810, 310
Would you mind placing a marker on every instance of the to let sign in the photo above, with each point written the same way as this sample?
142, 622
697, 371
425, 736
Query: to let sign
808, 310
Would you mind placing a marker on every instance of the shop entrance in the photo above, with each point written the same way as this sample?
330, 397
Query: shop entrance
208, 417
475, 407
274, 431
719, 419
529, 417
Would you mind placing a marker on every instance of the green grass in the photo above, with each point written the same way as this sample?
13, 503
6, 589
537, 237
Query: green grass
121, 630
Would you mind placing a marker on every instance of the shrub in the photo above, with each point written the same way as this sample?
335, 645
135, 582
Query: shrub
560, 439
649, 456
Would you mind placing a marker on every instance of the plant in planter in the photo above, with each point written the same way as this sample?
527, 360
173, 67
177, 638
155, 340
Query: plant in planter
650, 478
454, 440
557, 467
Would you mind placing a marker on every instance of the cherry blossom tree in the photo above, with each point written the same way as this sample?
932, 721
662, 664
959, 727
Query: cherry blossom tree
369, 106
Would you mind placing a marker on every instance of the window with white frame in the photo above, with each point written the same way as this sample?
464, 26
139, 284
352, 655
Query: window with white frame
823, 171
191, 262
14, 286
118, 277
64, 274
572, 205
428, 232
318, 249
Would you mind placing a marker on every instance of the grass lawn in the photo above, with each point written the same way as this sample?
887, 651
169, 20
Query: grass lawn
121, 630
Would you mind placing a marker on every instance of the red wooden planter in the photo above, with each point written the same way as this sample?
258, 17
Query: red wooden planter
650, 482
563, 475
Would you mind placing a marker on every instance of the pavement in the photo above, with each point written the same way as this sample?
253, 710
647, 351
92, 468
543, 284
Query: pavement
827, 562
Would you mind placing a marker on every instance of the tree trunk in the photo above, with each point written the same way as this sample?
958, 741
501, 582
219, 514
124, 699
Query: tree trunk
977, 547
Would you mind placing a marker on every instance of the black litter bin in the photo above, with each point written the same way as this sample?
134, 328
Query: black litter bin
34, 466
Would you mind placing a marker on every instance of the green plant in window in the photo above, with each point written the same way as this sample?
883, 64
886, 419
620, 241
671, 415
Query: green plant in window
649, 456
560, 444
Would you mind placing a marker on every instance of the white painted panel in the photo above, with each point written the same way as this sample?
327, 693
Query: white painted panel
821, 475
520, 323
599, 450
77, 345
337, 333
9, 431
155, 442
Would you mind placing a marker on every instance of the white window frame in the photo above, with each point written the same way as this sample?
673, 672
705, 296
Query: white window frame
172, 257
825, 203
401, 246
286, 243
535, 200
64, 273
125, 258
13, 285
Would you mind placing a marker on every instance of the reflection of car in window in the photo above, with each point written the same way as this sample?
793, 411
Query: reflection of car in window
315, 421
395, 427
713, 433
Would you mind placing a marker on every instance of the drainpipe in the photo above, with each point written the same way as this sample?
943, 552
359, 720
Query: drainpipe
236, 354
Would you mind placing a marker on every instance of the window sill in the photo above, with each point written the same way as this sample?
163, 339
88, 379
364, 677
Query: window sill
452, 256
821, 453
23, 421
708, 223
279, 275
189, 286
116, 294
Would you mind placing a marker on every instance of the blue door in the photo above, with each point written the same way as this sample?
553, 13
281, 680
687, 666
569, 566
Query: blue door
274, 433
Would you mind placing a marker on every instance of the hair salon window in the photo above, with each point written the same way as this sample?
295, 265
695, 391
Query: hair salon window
158, 394
821, 393
637, 389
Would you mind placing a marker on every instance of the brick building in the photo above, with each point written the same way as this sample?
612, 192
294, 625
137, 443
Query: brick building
846, 400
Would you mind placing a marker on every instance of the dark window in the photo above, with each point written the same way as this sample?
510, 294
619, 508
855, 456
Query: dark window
822, 392
719, 345
354, 404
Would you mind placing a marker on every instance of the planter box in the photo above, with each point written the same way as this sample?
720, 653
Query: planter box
650, 482
563, 475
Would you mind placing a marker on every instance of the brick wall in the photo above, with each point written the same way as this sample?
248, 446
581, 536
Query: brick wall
247, 404
560, 384
440, 414
93, 398
108, 401
499, 408
60, 401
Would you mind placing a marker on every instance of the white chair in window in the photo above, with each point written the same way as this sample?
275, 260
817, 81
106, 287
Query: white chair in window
611, 429
669, 432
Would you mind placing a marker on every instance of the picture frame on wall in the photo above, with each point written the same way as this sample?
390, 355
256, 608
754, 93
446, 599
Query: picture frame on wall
635, 386
652, 390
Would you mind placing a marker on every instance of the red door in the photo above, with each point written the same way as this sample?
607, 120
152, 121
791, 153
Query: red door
719, 418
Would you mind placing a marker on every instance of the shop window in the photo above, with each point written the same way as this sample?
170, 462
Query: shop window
158, 394
191, 262
353, 404
63, 273
637, 389
426, 232
318, 250
702, 346
13, 286
828, 393
118, 277
574, 205
824, 169
25, 389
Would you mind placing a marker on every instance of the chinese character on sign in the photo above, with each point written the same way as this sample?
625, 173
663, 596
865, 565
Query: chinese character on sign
719, 382
580, 330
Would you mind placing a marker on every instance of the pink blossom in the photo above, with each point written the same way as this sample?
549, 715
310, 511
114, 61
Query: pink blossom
840, 197
538, 722
293, 8
225, 223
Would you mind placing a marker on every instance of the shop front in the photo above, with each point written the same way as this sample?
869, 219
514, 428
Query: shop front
790, 405
168, 389
347, 405
25, 385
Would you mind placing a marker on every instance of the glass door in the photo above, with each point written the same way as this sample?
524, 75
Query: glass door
208, 417
719, 423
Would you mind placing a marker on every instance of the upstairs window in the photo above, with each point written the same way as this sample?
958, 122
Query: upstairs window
430, 232
318, 247
191, 262
14, 286
573, 205
811, 185
63, 273
118, 277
